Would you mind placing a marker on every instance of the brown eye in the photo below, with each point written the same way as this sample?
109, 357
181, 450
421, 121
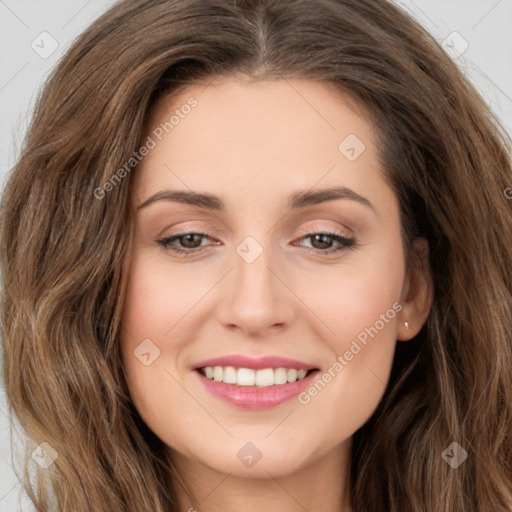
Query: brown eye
189, 243
322, 242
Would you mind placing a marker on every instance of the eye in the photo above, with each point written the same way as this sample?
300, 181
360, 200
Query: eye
322, 242
191, 243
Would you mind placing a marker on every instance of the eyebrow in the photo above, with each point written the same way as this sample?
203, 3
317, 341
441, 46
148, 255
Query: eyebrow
300, 199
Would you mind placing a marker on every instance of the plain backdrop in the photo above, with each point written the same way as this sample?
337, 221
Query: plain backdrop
35, 33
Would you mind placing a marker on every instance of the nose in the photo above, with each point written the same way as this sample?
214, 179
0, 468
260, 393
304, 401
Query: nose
257, 297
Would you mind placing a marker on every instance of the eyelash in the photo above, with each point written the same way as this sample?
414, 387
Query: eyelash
346, 243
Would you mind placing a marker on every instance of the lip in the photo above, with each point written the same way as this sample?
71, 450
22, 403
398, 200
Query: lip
260, 363
254, 398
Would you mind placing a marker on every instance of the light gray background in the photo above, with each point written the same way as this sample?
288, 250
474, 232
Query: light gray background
481, 25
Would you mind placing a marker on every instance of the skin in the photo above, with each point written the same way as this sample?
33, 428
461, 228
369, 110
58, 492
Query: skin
253, 145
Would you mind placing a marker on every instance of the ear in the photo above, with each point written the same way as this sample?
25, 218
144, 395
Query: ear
417, 292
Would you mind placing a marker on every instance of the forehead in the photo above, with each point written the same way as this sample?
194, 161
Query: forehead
262, 104
273, 135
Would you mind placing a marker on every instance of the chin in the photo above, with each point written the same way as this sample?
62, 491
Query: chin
256, 458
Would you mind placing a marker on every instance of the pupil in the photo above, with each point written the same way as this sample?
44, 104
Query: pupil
325, 243
189, 238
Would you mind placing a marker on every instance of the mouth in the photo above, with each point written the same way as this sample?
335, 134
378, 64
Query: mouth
250, 377
248, 383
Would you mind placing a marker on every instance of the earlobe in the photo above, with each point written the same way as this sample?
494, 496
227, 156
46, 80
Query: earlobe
417, 292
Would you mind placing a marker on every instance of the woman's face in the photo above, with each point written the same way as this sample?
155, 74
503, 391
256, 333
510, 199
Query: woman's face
263, 291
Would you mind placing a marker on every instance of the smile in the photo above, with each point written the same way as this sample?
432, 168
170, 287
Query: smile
255, 383
250, 377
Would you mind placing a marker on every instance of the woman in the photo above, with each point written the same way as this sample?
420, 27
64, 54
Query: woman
225, 216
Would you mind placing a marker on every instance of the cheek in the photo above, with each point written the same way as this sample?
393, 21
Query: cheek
147, 317
364, 314
349, 388
156, 302
359, 302
362, 311
157, 323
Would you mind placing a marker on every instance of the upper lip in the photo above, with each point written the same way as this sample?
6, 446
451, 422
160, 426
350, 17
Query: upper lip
259, 363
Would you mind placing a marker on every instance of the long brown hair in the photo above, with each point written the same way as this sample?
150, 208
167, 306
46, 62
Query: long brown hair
65, 251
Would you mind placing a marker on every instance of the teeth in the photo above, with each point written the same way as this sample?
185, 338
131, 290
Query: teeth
265, 377
249, 377
291, 375
245, 377
280, 376
218, 373
229, 375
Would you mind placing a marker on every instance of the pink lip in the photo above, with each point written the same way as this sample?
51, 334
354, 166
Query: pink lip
249, 397
241, 361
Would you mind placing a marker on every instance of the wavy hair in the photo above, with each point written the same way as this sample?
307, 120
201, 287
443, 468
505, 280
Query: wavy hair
65, 253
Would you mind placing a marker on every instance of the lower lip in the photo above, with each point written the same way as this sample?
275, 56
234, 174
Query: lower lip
249, 397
